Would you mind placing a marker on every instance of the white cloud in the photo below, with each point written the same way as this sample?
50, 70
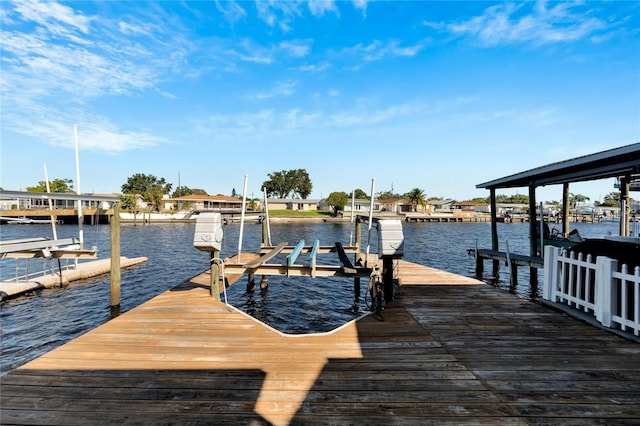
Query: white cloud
247, 51
281, 13
238, 128
280, 89
57, 61
94, 132
360, 117
58, 19
231, 10
361, 4
297, 49
377, 50
314, 67
320, 7
284, 13
515, 23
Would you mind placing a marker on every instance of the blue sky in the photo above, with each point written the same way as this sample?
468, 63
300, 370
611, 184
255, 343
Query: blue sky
435, 95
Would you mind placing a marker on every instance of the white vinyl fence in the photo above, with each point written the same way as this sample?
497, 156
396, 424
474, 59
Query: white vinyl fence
602, 288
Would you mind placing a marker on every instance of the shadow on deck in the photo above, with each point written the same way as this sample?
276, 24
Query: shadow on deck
445, 353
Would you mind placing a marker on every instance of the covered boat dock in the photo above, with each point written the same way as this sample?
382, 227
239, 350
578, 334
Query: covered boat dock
621, 163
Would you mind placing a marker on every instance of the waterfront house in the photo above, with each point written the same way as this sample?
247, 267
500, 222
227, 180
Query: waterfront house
441, 206
202, 202
296, 204
358, 206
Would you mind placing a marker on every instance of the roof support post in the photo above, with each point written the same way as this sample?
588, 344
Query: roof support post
624, 206
533, 239
494, 229
565, 208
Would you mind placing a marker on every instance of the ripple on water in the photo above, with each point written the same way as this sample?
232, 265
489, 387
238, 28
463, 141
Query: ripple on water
33, 325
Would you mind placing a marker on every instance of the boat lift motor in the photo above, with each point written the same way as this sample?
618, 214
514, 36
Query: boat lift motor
390, 246
208, 233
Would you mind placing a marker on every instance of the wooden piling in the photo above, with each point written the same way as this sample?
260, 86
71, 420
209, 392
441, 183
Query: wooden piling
215, 274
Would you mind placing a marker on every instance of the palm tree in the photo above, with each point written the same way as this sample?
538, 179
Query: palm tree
417, 197
574, 199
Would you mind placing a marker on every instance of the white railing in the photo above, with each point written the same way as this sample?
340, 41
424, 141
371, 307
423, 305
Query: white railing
602, 289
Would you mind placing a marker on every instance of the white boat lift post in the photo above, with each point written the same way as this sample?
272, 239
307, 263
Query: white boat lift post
244, 203
80, 218
373, 187
266, 218
353, 205
53, 222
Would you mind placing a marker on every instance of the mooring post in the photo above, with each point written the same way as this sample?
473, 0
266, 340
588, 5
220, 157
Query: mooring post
358, 240
251, 283
115, 274
479, 267
215, 274
264, 283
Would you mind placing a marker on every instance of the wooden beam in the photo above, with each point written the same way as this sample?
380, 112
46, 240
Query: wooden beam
296, 270
307, 249
266, 257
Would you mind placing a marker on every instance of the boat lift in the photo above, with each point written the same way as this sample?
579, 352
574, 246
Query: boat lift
208, 237
209, 233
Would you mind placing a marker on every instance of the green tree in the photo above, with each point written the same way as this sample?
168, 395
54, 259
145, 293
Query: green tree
56, 185
512, 199
128, 202
479, 200
337, 200
181, 191
387, 195
278, 185
611, 200
574, 199
149, 187
282, 184
359, 194
302, 183
416, 197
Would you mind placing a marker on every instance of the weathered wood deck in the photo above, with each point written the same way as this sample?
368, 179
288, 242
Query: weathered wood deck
451, 350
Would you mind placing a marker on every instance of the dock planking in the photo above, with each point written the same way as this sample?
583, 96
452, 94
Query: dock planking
451, 350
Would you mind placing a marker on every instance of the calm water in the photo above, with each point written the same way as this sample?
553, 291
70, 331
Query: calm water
35, 324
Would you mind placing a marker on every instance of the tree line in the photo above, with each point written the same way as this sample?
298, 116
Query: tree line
294, 183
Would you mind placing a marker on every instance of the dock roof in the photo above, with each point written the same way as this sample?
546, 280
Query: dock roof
617, 162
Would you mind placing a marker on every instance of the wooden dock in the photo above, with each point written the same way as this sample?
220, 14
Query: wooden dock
451, 350
62, 278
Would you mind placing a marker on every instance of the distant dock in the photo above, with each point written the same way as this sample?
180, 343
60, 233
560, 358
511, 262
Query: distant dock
435, 217
451, 350
62, 278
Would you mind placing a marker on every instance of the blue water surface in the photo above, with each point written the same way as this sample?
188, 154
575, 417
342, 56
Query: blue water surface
34, 324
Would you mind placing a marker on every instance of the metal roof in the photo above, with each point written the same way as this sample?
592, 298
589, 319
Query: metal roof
69, 196
617, 162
